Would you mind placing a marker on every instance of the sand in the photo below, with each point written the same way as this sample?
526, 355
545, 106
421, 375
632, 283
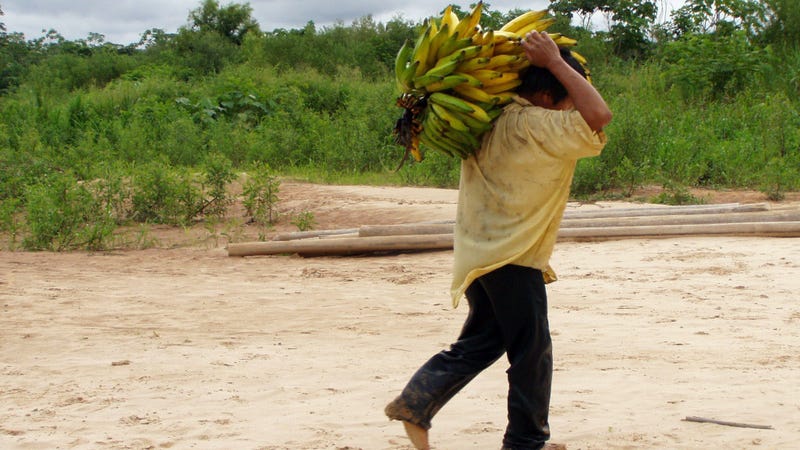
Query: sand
181, 346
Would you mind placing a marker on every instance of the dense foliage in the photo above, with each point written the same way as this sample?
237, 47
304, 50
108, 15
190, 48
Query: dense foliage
95, 134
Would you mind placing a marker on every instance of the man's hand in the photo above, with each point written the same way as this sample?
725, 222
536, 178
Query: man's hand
543, 52
540, 49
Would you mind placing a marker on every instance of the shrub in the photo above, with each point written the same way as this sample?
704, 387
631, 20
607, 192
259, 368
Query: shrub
65, 214
261, 195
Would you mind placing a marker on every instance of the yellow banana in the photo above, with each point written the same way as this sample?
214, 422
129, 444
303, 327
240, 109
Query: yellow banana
508, 48
474, 93
563, 41
539, 25
504, 77
498, 61
436, 42
483, 38
505, 86
471, 80
468, 26
504, 98
486, 75
473, 64
421, 49
487, 50
505, 36
523, 20
578, 57
449, 19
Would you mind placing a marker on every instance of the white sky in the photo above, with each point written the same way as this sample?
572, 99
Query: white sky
123, 21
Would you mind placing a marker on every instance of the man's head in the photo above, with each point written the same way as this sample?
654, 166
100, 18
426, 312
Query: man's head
538, 81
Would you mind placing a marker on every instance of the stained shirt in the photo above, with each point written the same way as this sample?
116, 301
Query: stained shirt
514, 189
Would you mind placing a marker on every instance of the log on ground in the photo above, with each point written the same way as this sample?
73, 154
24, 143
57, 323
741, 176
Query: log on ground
344, 246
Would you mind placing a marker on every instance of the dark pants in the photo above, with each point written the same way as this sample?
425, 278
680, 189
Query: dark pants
507, 314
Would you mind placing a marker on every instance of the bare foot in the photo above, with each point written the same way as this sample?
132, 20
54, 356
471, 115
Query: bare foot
417, 435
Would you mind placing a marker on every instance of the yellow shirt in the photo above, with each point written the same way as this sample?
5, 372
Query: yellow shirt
514, 189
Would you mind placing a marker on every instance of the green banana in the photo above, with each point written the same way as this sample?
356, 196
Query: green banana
477, 127
447, 82
452, 44
423, 81
400, 63
444, 114
444, 69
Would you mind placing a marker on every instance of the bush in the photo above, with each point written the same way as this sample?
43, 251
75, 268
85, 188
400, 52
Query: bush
65, 214
163, 194
261, 195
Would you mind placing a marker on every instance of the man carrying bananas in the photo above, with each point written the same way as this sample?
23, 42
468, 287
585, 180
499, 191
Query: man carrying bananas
512, 195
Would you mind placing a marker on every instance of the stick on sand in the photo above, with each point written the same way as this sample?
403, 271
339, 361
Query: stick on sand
726, 423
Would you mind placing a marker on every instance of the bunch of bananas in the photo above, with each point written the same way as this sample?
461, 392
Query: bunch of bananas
456, 77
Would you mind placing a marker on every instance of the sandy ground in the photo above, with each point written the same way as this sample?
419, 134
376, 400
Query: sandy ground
189, 348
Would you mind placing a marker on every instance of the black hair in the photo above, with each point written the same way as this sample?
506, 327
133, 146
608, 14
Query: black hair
538, 79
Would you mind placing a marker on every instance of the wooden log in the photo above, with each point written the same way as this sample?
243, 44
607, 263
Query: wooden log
681, 219
405, 229
344, 246
437, 227
784, 229
372, 244
290, 236
666, 210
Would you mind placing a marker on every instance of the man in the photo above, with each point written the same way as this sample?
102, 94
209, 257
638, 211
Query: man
512, 195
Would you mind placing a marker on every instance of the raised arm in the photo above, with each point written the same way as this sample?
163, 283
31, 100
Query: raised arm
543, 52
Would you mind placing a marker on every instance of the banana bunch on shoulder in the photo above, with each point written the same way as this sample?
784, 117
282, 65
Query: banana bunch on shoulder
456, 77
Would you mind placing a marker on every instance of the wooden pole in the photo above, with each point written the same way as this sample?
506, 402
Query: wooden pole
371, 244
666, 210
290, 236
344, 246
786, 229
680, 219
405, 229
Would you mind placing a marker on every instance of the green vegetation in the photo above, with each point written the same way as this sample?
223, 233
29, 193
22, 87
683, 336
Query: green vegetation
94, 135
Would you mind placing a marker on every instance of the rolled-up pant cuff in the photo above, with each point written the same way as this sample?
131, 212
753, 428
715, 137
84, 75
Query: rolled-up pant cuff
398, 409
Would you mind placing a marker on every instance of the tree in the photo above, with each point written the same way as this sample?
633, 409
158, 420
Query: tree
720, 16
784, 22
232, 21
630, 21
